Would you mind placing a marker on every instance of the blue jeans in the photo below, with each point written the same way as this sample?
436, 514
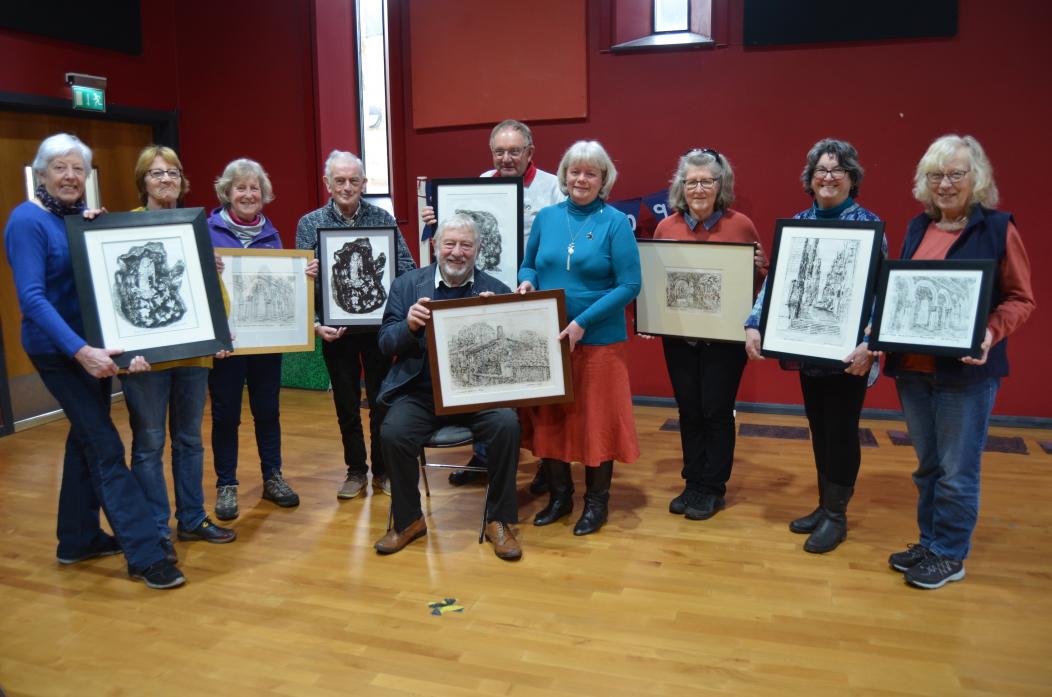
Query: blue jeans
226, 383
947, 421
93, 471
149, 396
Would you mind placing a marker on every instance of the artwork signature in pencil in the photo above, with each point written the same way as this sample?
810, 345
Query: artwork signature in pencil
146, 290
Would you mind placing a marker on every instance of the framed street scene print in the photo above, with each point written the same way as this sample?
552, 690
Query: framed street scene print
695, 290
357, 269
499, 351
271, 299
148, 285
939, 308
819, 288
495, 204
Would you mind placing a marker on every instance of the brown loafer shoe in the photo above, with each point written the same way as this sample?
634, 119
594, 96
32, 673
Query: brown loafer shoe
394, 541
505, 545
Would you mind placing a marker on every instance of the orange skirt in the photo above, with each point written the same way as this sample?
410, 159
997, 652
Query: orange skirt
598, 425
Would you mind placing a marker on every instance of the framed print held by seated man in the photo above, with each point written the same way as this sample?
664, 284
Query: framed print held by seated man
499, 351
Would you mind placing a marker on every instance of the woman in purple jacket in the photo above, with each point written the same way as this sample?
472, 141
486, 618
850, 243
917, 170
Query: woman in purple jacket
243, 189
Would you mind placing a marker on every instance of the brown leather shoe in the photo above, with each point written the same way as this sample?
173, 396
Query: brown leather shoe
394, 541
505, 545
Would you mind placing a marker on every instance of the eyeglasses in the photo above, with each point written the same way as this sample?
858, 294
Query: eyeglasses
513, 153
704, 151
340, 182
955, 176
162, 173
837, 173
691, 184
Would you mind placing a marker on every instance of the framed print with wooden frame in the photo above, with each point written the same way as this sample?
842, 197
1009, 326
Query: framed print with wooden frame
695, 290
271, 299
358, 266
933, 307
147, 284
819, 288
495, 204
499, 351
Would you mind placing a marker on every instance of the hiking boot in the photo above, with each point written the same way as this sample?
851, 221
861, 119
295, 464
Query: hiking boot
160, 575
352, 486
934, 572
906, 560
226, 502
276, 489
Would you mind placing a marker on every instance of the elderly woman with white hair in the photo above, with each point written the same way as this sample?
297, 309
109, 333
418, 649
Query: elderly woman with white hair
587, 248
79, 376
946, 402
705, 374
243, 188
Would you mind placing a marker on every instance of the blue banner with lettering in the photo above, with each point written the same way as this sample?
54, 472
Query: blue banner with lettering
657, 203
630, 208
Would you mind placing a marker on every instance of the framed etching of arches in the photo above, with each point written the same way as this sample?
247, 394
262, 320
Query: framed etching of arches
271, 299
933, 307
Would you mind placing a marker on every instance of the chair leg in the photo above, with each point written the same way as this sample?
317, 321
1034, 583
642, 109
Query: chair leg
485, 500
423, 472
390, 517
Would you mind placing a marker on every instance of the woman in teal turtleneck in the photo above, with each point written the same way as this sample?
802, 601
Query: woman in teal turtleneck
833, 397
587, 248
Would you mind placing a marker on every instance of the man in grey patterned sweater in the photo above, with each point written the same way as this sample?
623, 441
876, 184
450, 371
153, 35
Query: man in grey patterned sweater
350, 350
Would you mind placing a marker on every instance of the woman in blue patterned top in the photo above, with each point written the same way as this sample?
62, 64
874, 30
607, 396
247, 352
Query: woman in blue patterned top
833, 397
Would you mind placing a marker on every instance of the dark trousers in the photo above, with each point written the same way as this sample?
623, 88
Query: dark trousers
705, 379
226, 384
411, 420
833, 404
346, 358
94, 472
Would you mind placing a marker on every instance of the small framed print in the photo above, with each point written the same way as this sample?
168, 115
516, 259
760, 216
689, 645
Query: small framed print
357, 269
934, 307
147, 284
819, 288
499, 351
271, 299
695, 290
495, 204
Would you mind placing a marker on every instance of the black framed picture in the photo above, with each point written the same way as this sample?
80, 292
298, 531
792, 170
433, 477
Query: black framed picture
695, 290
495, 204
357, 269
933, 307
819, 288
148, 284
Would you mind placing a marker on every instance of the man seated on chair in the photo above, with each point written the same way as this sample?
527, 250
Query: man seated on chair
406, 390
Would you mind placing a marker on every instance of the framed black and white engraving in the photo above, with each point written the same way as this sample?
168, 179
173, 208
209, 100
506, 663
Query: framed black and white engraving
147, 284
939, 308
495, 204
499, 351
695, 290
271, 299
357, 269
819, 288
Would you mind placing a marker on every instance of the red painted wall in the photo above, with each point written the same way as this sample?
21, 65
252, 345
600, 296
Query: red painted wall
765, 107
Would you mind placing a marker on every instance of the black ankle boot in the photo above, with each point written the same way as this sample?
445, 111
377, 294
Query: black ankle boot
832, 528
809, 522
596, 498
560, 492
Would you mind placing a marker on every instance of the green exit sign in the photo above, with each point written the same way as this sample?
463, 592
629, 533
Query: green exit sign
89, 98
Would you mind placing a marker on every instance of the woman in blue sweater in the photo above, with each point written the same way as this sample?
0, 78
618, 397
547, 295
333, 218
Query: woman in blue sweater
79, 376
586, 248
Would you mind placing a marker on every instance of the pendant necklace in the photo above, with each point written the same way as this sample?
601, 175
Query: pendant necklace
573, 235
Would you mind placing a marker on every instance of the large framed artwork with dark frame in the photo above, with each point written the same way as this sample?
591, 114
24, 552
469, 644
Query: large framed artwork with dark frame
495, 204
819, 288
499, 351
695, 290
933, 307
358, 266
148, 285
271, 299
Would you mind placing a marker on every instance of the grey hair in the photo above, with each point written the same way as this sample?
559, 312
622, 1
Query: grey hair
56, 146
723, 173
337, 155
984, 190
511, 125
589, 152
846, 157
457, 221
238, 169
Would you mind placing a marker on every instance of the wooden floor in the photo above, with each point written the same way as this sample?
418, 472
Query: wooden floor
654, 604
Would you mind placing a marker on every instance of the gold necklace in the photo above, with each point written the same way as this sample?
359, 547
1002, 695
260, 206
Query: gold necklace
952, 225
